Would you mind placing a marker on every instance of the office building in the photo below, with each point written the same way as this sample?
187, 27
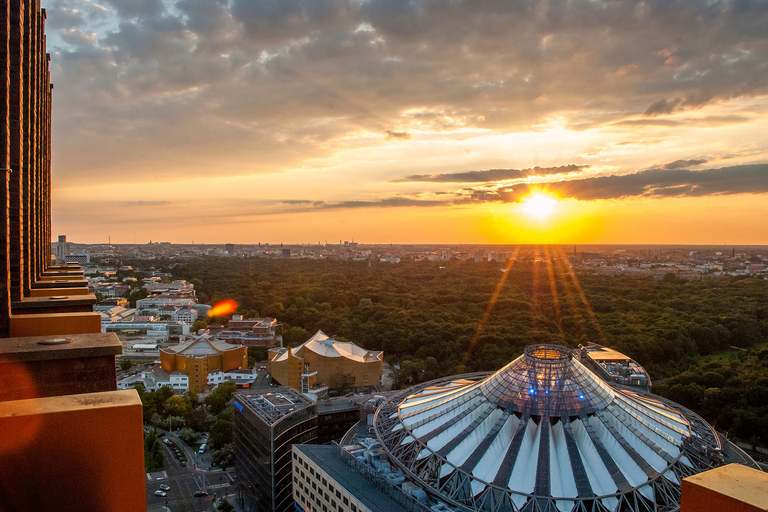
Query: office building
267, 424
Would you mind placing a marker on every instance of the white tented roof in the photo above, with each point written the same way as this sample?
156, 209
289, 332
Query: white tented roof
323, 345
542, 427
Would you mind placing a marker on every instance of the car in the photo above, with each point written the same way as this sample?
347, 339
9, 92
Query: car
200, 494
165, 487
183, 463
162, 494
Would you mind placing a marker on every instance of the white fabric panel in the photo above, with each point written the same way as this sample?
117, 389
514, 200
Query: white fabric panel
639, 411
610, 503
444, 437
645, 451
477, 487
674, 416
518, 500
459, 454
407, 439
441, 419
489, 465
599, 477
564, 505
672, 477
685, 461
431, 394
417, 413
650, 430
561, 474
633, 473
647, 491
523, 477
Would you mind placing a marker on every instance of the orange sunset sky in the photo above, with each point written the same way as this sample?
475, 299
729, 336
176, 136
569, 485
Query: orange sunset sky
389, 121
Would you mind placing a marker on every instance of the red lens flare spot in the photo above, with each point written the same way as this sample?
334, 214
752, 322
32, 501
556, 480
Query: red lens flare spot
223, 308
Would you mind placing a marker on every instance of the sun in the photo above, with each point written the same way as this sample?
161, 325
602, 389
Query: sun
539, 205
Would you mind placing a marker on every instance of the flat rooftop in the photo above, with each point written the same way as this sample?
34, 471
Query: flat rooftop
367, 494
275, 404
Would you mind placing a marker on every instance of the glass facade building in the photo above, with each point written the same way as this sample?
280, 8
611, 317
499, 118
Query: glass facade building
267, 424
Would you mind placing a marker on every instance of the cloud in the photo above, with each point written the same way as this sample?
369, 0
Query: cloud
132, 204
389, 202
655, 183
492, 175
661, 107
205, 87
398, 135
682, 164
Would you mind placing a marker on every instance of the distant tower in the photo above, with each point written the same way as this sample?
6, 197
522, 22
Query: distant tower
733, 253
230, 248
62, 249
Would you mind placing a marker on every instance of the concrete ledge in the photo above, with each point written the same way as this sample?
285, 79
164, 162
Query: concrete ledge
52, 324
62, 273
75, 453
66, 266
60, 284
51, 292
54, 304
30, 348
61, 278
731, 488
32, 368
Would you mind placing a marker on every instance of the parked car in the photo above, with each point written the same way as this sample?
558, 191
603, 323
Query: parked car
165, 487
162, 494
200, 494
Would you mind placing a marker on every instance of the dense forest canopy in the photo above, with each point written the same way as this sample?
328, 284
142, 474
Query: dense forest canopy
442, 318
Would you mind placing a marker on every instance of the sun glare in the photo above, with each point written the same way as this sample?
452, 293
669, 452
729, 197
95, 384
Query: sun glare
539, 205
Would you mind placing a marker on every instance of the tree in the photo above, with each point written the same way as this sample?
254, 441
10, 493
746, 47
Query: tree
188, 435
153, 453
256, 354
217, 400
126, 364
225, 506
222, 430
199, 324
224, 457
177, 406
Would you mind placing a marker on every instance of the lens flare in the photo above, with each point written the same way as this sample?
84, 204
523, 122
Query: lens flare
223, 308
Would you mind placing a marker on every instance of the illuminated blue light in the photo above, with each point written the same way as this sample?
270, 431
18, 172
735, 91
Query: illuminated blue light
581, 397
531, 391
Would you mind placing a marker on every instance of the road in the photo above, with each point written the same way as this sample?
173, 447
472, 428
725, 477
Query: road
184, 481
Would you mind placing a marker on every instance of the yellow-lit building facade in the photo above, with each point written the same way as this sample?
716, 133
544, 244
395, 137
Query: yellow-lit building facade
204, 355
323, 362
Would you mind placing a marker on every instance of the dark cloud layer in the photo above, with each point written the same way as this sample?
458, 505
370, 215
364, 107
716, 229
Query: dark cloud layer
682, 164
398, 135
493, 175
655, 183
204, 85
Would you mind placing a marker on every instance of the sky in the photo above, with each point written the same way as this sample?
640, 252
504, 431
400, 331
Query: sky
390, 121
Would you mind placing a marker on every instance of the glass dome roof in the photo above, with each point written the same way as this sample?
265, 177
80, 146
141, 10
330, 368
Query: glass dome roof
543, 432
547, 380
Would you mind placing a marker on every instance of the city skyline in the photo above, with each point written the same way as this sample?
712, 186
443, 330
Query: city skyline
409, 122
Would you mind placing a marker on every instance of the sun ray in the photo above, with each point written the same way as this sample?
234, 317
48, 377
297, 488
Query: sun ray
491, 304
553, 288
590, 312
